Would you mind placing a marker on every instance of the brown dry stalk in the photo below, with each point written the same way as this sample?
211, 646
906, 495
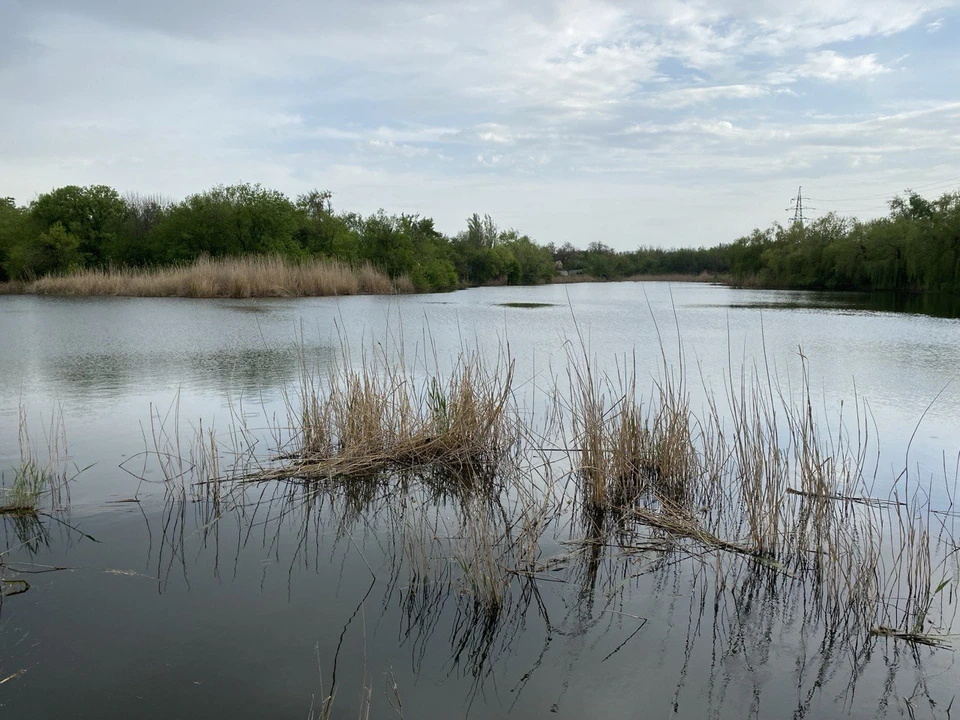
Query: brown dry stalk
235, 277
379, 417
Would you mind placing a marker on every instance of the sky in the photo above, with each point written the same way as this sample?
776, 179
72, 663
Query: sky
644, 123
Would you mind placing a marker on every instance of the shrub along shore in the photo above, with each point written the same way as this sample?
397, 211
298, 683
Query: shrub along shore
246, 240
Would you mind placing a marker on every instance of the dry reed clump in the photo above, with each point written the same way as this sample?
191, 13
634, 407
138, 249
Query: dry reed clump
762, 479
621, 449
381, 417
242, 277
12, 287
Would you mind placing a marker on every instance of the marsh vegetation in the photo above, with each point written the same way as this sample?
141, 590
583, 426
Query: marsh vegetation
241, 277
37, 485
482, 500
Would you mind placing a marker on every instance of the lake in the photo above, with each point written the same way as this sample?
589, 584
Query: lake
162, 608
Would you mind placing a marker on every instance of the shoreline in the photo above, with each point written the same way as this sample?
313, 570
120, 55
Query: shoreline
256, 277
700, 278
275, 277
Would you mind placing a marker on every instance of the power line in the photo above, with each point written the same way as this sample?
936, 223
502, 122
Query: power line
886, 196
800, 208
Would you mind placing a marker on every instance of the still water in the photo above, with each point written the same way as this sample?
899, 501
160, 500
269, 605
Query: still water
150, 609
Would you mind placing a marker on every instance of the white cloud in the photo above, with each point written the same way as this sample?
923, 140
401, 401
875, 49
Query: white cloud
831, 66
391, 148
685, 97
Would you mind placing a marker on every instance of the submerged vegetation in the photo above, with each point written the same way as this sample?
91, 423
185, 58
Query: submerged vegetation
526, 305
117, 243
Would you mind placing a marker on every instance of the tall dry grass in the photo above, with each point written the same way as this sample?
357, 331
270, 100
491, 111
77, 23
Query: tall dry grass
766, 479
382, 416
242, 277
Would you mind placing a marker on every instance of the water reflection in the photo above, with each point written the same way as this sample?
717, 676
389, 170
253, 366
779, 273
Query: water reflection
941, 305
107, 375
475, 598
105, 348
28, 535
700, 634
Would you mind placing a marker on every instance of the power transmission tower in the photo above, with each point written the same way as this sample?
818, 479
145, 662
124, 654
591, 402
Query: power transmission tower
797, 206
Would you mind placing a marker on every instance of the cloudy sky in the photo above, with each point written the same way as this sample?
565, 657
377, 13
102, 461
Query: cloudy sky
655, 122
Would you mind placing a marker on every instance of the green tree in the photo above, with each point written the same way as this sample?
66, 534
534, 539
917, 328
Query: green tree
533, 264
385, 242
13, 229
94, 215
133, 245
321, 232
481, 232
227, 220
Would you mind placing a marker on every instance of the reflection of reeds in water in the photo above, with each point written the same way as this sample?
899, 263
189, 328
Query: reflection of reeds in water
38, 488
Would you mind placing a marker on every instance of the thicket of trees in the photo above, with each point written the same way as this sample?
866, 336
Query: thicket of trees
917, 247
81, 227
601, 261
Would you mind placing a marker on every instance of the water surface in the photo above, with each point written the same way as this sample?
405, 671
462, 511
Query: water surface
166, 615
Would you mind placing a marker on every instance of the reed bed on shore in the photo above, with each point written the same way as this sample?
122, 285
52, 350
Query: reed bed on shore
240, 277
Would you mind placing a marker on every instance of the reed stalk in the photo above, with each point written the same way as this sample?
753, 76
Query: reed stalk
232, 277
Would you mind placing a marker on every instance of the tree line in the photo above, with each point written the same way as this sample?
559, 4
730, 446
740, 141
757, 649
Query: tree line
916, 247
76, 227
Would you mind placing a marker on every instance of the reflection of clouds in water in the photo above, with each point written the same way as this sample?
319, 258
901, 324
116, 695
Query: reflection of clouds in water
114, 374
107, 345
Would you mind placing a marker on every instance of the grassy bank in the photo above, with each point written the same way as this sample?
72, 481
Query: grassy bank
241, 277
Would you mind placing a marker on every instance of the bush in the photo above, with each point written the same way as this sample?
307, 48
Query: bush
434, 275
54, 251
